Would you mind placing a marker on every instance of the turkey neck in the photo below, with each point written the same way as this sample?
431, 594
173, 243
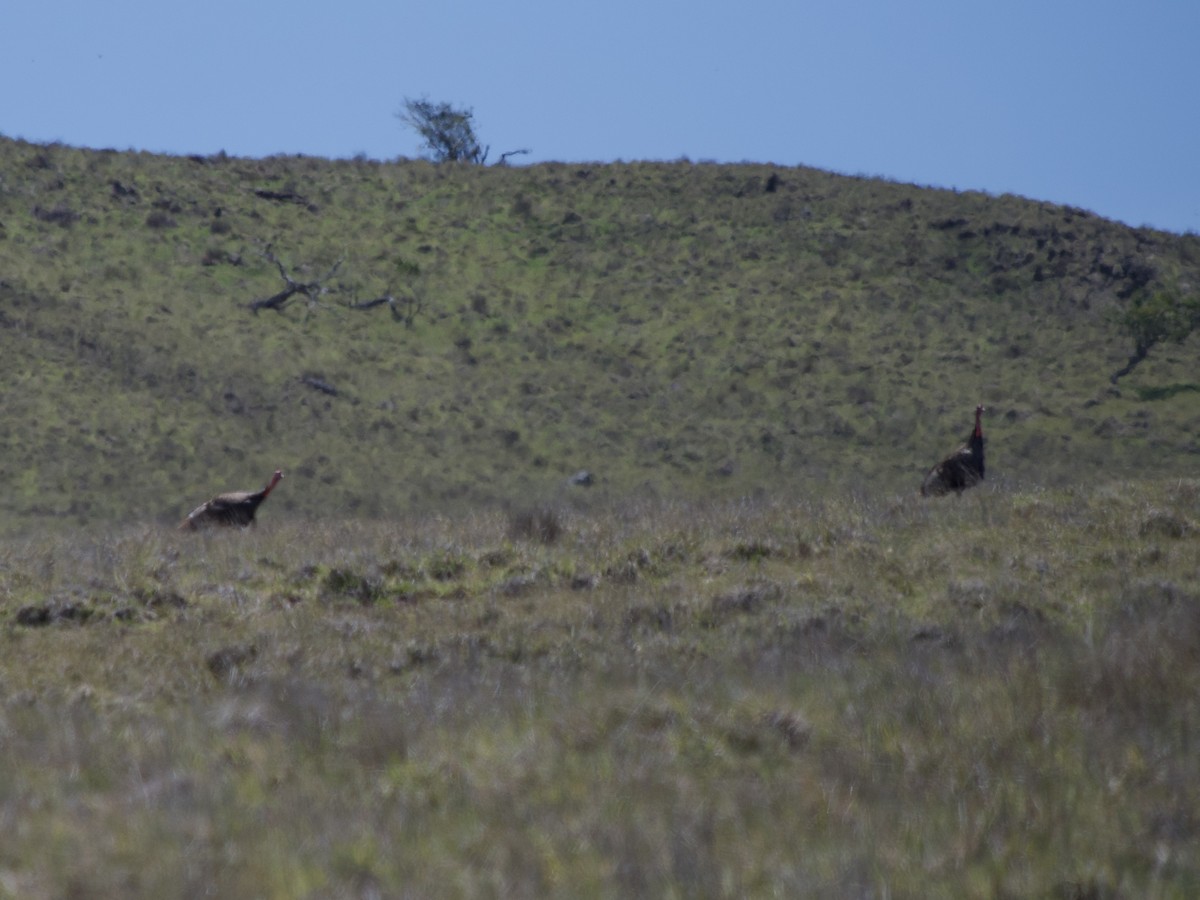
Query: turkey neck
275, 479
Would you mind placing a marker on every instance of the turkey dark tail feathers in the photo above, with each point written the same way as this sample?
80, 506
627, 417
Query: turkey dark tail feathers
962, 469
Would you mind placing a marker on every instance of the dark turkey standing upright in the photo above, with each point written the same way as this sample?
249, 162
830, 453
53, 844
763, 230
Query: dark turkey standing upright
961, 469
236, 508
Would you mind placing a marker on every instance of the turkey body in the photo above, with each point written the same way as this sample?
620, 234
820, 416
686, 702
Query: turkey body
235, 509
960, 470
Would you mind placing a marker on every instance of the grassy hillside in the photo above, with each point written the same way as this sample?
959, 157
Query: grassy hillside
747, 661
676, 329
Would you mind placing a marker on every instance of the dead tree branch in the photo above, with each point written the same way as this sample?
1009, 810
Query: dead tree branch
503, 160
319, 384
412, 306
275, 301
1139, 354
313, 290
378, 301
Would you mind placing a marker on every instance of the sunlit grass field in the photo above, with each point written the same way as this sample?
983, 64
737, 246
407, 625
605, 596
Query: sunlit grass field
856, 696
680, 330
740, 658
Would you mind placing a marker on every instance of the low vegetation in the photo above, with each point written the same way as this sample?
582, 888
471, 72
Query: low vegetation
599, 568
997, 695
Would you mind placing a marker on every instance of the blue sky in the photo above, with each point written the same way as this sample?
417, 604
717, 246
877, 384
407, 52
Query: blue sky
1092, 104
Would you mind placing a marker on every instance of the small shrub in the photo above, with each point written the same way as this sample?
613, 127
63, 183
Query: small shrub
543, 525
345, 583
751, 551
61, 215
446, 567
228, 663
1165, 524
40, 614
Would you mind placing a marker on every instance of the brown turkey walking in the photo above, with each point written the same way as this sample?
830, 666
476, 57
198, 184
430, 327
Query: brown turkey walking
236, 508
961, 469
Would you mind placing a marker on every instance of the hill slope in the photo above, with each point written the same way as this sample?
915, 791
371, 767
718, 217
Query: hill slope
674, 328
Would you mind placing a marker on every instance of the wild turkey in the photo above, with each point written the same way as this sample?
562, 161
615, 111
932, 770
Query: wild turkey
961, 469
236, 508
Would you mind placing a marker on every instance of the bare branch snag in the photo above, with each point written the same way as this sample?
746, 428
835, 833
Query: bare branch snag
310, 289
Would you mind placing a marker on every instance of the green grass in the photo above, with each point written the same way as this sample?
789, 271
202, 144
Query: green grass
992, 696
674, 328
747, 661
